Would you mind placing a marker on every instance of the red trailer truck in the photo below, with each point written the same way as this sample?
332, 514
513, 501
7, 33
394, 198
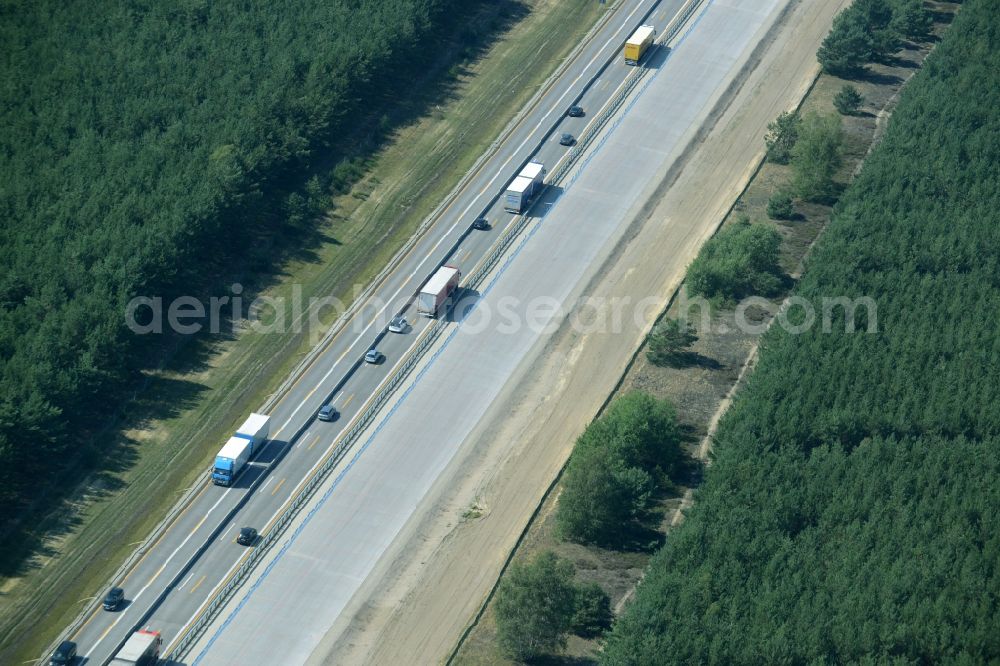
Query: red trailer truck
436, 292
141, 649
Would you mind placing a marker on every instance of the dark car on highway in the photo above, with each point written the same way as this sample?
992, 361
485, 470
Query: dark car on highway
575, 112
64, 654
114, 598
247, 536
327, 413
567, 140
481, 223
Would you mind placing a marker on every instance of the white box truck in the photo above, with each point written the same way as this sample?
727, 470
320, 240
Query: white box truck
520, 191
436, 291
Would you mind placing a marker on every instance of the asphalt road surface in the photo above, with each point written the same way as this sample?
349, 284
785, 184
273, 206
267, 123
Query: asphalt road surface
177, 575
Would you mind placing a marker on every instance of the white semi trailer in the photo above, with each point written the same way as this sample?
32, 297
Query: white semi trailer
527, 183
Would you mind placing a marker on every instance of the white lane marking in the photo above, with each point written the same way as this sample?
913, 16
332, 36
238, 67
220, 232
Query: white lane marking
264, 485
186, 581
222, 537
461, 216
155, 576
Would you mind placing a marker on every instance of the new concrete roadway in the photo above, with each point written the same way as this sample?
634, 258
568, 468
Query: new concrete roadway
173, 580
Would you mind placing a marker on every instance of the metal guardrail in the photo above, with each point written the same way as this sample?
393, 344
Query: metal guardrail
276, 530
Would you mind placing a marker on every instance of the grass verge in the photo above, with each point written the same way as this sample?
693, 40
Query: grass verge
177, 422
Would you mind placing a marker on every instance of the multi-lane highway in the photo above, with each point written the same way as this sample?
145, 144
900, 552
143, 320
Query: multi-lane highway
169, 586
295, 605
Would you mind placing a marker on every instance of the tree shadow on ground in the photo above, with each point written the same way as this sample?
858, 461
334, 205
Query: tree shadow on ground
941, 17
829, 197
562, 660
693, 359
641, 536
31, 530
879, 78
900, 61
791, 220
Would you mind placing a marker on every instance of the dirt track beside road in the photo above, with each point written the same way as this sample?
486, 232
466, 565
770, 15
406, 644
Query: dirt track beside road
420, 599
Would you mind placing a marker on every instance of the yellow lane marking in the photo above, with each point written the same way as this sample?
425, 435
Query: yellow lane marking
279, 483
312, 444
200, 581
200, 522
347, 401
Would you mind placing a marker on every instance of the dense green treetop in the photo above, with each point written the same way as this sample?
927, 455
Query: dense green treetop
144, 150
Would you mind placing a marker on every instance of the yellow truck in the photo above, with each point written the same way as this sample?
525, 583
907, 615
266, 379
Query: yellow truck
637, 45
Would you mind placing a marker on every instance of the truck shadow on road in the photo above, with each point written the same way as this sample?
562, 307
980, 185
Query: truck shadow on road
546, 200
658, 55
262, 464
465, 302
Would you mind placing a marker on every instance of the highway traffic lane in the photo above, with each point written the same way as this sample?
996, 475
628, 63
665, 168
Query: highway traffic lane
483, 242
212, 567
152, 569
352, 526
390, 351
491, 178
620, 185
